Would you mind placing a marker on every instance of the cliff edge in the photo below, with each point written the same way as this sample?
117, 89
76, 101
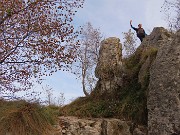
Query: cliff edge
143, 89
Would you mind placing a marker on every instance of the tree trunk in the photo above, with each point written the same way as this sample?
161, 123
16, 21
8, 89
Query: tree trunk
84, 86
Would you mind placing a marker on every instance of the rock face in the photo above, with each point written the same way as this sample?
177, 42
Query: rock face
163, 100
76, 126
158, 64
158, 37
109, 67
150, 45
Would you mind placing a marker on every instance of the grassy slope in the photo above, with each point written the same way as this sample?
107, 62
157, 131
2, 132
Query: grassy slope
22, 118
127, 102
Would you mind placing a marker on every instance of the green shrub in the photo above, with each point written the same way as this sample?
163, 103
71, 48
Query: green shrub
89, 107
151, 51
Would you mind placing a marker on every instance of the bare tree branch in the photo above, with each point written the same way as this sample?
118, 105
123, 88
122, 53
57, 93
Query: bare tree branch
88, 54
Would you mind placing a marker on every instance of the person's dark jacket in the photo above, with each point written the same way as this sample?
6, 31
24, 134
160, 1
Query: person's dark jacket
138, 32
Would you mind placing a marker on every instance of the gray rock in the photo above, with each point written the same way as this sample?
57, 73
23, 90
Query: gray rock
76, 126
109, 66
158, 37
164, 89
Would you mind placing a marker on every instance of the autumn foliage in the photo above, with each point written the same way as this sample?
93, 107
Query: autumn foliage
37, 38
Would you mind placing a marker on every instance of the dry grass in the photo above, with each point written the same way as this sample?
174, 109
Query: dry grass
22, 118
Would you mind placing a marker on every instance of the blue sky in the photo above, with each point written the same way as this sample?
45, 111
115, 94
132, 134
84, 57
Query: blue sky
112, 17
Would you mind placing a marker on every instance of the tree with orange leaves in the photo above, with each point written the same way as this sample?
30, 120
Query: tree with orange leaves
37, 38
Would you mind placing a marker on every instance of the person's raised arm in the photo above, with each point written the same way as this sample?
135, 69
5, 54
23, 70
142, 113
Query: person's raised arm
132, 26
131, 23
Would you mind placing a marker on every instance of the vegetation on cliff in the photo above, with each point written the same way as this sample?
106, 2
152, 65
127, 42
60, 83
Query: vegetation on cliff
127, 102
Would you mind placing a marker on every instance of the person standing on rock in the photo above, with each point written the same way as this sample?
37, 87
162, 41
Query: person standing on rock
139, 31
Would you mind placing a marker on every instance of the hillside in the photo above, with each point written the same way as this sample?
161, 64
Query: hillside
141, 90
138, 95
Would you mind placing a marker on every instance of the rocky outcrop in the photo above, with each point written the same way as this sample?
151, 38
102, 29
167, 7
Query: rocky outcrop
158, 37
160, 65
151, 82
164, 88
76, 126
109, 66
149, 47
98, 126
